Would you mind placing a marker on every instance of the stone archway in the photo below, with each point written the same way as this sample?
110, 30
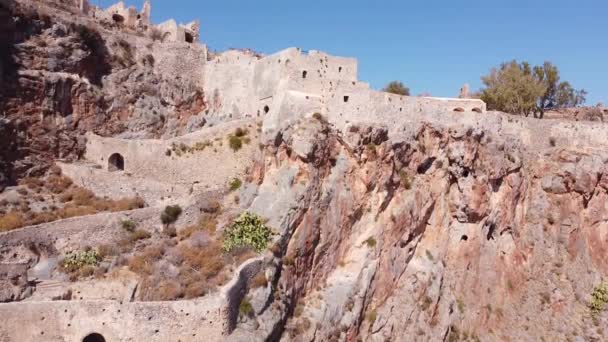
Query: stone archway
94, 337
116, 162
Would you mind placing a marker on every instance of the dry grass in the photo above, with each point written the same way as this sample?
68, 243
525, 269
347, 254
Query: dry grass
206, 223
57, 184
76, 201
259, 280
10, 221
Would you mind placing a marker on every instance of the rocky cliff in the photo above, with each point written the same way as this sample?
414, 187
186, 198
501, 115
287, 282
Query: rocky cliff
454, 232
62, 74
437, 225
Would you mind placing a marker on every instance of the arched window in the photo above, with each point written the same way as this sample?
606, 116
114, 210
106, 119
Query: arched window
94, 337
118, 18
116, 162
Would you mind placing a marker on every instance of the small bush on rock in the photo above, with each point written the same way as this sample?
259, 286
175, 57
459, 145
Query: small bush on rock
128, 225
599, 298
235, 184
235, 143
75, 260
247, 230
170, 214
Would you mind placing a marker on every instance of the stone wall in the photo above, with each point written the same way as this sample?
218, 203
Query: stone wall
116, 321
154, 171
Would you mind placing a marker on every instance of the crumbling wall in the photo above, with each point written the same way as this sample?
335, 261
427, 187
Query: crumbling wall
158, 161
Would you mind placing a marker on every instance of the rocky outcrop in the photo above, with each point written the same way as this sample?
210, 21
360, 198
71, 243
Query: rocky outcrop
452, 233
61, 77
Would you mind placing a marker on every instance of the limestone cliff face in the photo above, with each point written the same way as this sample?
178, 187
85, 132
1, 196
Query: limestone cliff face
452, 233
62, 74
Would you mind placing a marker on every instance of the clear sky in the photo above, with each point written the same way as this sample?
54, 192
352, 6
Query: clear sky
432, 46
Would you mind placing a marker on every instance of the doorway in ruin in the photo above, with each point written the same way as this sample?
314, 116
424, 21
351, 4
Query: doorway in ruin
189, 37
116, 162
94, 337
118, 18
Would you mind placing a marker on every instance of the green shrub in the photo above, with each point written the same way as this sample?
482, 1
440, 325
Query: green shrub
371, 242
128, 225
599, 298
170, 214
396, 87
245, 308
235, 143
235, 184
248, 230
75, 260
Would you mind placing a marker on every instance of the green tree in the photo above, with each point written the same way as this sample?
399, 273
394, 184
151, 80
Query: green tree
396, 87
557, 94
512, 88
522, 89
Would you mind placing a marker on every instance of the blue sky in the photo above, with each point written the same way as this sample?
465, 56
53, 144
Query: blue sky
432, 46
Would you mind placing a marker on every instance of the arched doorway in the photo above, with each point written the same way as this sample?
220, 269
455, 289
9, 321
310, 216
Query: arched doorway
116, 162
94, 337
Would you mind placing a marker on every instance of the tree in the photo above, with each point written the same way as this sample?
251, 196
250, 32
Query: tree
512, 88
396, 87
520, 88
557, 94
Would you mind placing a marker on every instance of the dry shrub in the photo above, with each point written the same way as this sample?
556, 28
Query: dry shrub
241, 254
154, 252
82, 197
259, 280
32, 183
208, 261
206, 223
57, 184
10, 221
127, 204
75, 211
43, 217
55, 170
140, 265
168, 290
107, 250
132, 237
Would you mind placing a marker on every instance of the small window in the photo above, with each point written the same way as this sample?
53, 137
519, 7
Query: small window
346, 98
266, 109
476, 110
304, 74
340, 69
189, 37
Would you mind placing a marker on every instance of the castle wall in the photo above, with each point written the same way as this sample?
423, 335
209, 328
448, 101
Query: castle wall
134, 321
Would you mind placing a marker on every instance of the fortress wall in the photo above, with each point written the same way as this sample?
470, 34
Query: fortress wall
134, 321
148, 159
288, 108
182, 60
228, 87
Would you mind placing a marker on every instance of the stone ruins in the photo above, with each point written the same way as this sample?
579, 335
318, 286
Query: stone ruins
239, 86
